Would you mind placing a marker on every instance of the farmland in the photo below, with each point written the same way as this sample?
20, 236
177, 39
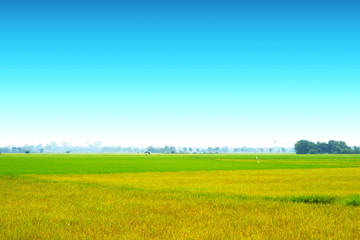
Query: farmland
92, 196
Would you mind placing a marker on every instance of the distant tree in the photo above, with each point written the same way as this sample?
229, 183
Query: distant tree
190, 149
4, 150
337, 146
332, 147
185, 149
151, 149
346, 151
166, 149
312, 148
322, 147
68, 151
225, 149
356, 150
27, 151
172, 149
303, 146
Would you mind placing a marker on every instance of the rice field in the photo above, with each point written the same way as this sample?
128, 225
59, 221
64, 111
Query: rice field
230, 196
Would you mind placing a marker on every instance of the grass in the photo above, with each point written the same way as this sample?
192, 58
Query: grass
177, 197
121, 163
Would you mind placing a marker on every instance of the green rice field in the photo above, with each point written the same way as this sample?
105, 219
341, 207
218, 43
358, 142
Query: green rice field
190, 196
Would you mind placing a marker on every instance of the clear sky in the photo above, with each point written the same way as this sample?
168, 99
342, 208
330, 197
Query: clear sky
200, 73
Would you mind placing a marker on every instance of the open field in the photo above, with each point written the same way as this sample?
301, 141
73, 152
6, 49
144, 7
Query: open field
122, 163
179, 196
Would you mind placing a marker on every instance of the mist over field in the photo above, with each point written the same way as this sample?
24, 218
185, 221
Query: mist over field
99, 147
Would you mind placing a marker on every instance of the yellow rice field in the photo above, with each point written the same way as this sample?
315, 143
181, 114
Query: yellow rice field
241, 204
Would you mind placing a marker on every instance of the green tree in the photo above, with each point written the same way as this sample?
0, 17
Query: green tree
346, 151
332, 147
304, 147
356, 150
322, 147
337, 147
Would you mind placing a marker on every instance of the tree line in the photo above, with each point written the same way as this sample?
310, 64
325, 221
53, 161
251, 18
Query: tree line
97, 147
331, 147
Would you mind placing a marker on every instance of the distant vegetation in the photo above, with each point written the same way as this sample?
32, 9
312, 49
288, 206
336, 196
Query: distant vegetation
97, 147
332, 147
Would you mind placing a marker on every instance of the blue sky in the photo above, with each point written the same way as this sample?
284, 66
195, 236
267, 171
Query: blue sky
184, 73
